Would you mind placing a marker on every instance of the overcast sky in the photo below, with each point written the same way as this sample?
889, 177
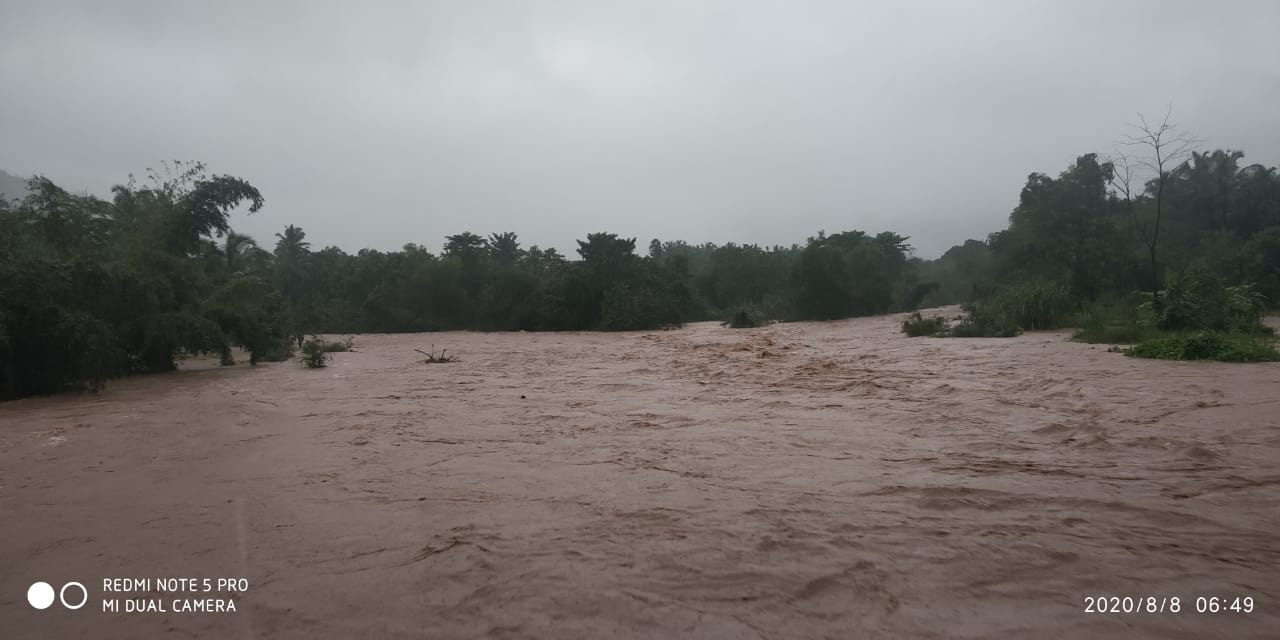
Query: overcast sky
376, 124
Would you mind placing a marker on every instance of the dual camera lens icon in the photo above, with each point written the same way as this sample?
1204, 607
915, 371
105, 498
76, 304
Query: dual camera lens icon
41, 595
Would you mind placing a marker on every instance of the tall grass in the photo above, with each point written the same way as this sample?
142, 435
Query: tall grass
1007, 311
1037, 304
1117, 320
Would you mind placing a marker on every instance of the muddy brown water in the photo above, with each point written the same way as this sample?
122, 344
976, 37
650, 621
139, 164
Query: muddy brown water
812, 480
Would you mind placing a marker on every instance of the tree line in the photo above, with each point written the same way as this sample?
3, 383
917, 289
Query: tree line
93, 288
1105, 227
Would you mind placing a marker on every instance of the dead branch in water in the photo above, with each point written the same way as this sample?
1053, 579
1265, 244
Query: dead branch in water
432, 358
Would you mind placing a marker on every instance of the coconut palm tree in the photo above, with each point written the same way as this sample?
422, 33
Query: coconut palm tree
291, 253
243, 253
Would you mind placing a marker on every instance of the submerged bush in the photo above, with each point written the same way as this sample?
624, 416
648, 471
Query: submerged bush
314, 355
741, 319
985, 318
917, 325
766, 311
984, 327
1207, 345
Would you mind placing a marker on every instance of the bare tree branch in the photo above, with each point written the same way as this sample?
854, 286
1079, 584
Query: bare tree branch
1165, 147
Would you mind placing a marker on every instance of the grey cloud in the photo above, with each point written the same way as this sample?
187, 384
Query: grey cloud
376, 124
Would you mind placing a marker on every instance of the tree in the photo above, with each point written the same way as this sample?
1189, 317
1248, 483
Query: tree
291, 252
184, 205
1160, 148
90, 289
504, 248
242, 253
467, 246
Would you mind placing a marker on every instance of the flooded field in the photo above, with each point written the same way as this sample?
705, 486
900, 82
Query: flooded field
812, 480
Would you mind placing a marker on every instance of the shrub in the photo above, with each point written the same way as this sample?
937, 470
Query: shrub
985, 319
1197, 299
314, 355
917, 325
1117, 321
767, 311
1208, 345
741, 319
984, 327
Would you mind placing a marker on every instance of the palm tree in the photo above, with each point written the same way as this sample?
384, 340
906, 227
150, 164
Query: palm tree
1212, 178
291, 245
504, 247
242, 252
291, 251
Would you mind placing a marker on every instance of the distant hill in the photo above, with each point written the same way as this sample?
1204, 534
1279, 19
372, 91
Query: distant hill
12, 187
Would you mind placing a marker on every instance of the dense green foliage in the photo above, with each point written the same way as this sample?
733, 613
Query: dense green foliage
985, 318
1117, 320
1197, 299
1081, 232
494, 284
92, 289
1080, 246
1208, 345
1031, 304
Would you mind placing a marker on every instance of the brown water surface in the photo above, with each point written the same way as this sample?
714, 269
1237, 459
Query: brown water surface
812, 480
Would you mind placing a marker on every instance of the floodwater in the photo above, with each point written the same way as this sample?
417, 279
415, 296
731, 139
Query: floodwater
810, 480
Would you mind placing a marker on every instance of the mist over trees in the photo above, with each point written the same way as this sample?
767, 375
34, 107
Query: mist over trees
92, 289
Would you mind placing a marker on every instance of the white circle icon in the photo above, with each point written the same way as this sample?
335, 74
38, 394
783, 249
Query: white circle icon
40, 595
84, 595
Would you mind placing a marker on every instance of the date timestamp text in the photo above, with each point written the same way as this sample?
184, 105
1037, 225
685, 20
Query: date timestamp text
1168, 604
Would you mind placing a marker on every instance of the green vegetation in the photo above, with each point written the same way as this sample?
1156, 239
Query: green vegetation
1208, 345
742, 319
1198, 299
1199, 318
315, 353
1117, 320
1084, 249
92, 289
917, 325
746, 316
1006, 311
1096, 227
985, 319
